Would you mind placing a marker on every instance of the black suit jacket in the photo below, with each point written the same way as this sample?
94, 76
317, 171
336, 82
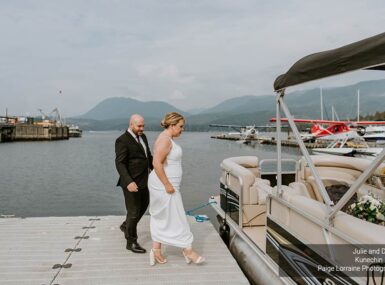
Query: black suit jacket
131, 161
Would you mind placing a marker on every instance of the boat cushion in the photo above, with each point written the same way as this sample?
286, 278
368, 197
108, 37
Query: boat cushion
298, 189
254, 215
359, 230
238, 167
302, 189
259, 191
362, 231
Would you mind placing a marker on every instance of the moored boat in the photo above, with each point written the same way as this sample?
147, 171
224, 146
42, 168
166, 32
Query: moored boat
355, 147
374, 133
300, 225
74, 131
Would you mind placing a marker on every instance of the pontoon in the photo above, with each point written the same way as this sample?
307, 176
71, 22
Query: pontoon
288, 222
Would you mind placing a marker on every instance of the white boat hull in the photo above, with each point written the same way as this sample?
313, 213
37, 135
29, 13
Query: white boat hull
255, 264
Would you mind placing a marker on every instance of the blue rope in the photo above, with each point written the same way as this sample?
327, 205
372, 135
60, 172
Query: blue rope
200, 218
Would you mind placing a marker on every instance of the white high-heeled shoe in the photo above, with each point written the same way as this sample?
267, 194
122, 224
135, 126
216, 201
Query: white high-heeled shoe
199, 260
153, 259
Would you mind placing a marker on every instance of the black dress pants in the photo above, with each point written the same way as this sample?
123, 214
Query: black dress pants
136, 206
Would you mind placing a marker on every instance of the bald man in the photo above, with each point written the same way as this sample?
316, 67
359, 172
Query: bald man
133, 162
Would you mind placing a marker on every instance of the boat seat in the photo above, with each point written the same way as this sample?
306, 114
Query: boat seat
254, 189
295, 223
295, 188
255, 171
261, 189
254, 212
338, 173
330, 165
311, 183
368, 189
333, 179
341, 162
361, 231
365, 189
303, 189
238, 167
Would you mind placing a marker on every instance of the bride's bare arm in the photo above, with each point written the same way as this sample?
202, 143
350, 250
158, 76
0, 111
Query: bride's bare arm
161, 149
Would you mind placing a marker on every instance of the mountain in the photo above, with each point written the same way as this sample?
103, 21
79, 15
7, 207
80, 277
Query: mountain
119, 107
113, 113
302, 104
195, 111
248, 103
344, 99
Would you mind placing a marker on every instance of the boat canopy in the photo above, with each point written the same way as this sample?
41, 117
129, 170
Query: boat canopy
365, 54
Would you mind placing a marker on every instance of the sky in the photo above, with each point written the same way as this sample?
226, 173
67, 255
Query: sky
72, 54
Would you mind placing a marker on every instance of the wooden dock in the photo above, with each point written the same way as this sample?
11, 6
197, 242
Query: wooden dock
270, 141
91, 250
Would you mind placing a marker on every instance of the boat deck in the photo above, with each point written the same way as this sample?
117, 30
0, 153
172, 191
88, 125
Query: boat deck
91, 250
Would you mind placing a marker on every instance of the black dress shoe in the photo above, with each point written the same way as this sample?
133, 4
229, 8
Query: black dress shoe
135, 247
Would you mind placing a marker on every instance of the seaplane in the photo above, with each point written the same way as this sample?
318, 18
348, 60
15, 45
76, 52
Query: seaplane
334, 130
244, 132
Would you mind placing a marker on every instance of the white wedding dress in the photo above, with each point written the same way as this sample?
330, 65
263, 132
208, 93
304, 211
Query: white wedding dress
168, 223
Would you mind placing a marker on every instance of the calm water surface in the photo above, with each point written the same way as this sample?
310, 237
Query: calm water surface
78, 176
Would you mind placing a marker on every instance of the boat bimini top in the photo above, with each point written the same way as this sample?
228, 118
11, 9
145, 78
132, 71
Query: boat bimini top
365, 54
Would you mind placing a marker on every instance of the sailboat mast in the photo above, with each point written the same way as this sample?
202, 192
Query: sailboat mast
358, 105
322, 105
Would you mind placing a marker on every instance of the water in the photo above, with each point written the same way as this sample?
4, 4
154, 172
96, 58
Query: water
78, 177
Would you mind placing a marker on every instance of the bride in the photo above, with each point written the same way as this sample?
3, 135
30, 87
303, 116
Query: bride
168, 223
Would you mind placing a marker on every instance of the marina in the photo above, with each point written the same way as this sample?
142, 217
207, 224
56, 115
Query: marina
270, 141
91, 250
197, 142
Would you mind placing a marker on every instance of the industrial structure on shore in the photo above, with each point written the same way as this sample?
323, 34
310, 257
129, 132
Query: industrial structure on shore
46, 127
26, 129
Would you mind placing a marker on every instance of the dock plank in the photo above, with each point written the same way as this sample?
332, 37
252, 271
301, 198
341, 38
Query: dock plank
30, 247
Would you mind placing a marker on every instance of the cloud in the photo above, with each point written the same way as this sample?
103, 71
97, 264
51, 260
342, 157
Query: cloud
168, 72
177, 95
210, 50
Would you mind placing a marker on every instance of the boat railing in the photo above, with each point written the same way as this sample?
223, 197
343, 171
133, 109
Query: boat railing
271, 174
281, 105
240, 196
333, 209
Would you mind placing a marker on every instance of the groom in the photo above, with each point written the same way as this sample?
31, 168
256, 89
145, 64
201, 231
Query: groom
133, 162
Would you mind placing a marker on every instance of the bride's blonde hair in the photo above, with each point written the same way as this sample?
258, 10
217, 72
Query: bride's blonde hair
171, 119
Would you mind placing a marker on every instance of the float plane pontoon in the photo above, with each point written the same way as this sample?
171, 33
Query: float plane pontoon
291, 226
348, 146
